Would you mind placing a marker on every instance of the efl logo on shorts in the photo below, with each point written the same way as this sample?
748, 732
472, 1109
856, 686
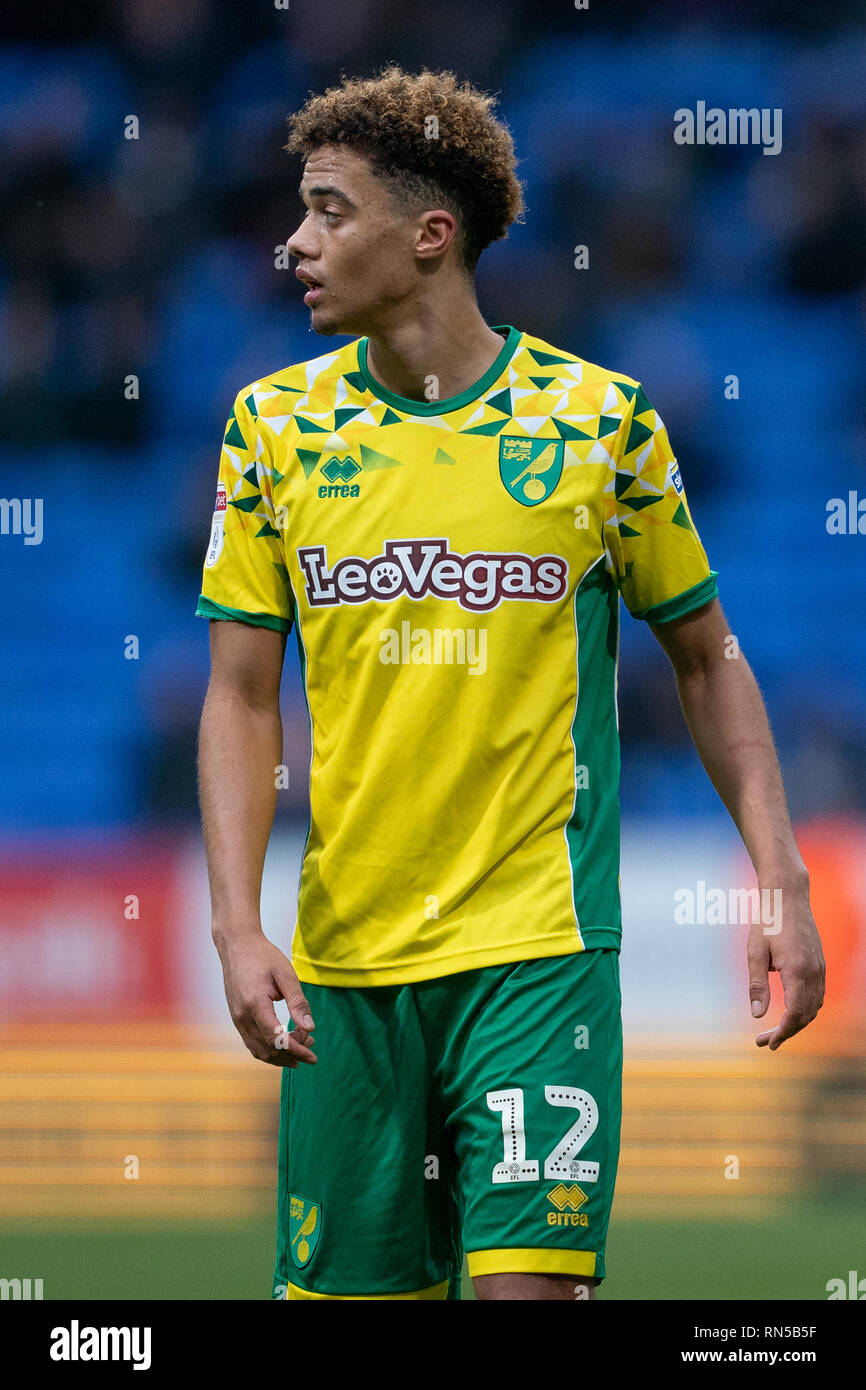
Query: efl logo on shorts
478, 581
305, 1227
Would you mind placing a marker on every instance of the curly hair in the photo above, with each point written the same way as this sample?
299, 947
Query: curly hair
463, 160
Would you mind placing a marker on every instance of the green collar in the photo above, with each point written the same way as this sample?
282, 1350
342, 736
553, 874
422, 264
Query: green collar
410, 407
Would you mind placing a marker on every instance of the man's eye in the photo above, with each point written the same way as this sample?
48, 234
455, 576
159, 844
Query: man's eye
331, 218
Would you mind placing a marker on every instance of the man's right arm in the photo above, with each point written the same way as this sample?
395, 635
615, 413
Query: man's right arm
240, 748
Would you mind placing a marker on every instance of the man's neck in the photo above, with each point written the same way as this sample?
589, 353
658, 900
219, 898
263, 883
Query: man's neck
437, 352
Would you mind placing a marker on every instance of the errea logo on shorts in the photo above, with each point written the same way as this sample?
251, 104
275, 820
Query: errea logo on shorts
564, 1198
478, 581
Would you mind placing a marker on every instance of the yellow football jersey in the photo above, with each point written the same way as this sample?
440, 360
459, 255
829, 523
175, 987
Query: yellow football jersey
453, 571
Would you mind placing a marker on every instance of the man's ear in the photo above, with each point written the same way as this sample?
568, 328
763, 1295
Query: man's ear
437, 231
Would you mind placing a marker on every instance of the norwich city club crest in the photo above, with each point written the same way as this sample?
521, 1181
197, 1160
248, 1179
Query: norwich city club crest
305, 1227
530, 468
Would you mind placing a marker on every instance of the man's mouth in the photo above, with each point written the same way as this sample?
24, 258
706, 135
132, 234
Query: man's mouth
315, 289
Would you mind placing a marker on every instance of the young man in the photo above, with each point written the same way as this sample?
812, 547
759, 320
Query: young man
447, 513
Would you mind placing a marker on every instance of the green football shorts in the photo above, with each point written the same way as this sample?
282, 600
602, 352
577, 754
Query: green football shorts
477, 1113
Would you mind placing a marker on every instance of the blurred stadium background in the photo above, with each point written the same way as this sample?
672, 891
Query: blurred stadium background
137, 1138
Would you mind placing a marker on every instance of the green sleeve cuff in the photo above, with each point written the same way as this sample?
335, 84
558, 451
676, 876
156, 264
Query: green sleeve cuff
686, 602
208, 609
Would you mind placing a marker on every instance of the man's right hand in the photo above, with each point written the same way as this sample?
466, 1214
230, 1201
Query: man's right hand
256, 973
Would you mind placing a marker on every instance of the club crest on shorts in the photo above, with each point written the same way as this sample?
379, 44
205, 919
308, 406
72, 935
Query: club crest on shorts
305, 1227
530, 468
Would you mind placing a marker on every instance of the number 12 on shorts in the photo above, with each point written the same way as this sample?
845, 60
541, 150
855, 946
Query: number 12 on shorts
562, 1161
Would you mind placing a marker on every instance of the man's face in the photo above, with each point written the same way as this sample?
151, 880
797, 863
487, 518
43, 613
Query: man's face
355, 250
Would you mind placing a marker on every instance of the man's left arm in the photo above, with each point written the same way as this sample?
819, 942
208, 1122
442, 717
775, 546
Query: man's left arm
728, 723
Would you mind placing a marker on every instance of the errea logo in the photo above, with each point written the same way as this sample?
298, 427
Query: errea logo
571, 1196
339, 473
563, 1198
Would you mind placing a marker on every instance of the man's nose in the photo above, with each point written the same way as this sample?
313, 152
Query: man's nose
300, 245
